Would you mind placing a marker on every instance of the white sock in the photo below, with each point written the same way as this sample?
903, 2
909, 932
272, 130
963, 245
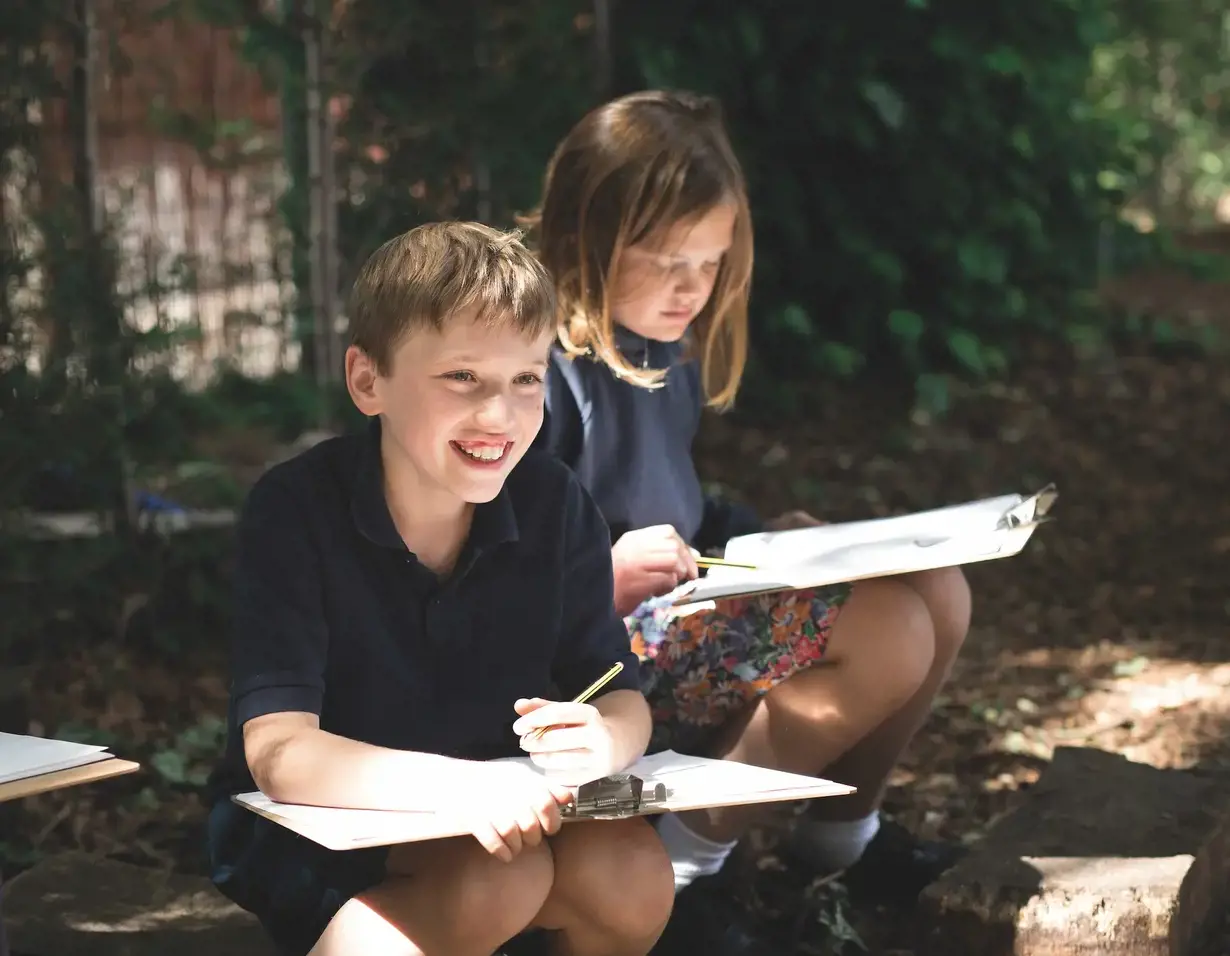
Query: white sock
691, 855
836, 844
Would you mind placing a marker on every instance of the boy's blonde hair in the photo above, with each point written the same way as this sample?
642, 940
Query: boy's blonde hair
423, 277
628, 172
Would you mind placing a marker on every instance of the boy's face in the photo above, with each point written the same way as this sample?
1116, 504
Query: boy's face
460, 406
663, 285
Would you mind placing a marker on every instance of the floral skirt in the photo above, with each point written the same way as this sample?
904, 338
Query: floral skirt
700, 669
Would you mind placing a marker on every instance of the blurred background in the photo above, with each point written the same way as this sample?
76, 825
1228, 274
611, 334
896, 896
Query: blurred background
993, 251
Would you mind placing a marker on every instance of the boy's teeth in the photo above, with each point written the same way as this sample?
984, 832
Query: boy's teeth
486, 453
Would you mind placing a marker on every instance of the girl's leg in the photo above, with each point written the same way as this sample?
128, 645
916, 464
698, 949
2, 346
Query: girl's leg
869, 764
613, 891
880, 650
442, 898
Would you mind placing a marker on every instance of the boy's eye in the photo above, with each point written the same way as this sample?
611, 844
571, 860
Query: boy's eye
459, 376
528, 378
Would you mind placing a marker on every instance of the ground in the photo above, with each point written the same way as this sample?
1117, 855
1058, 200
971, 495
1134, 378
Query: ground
1110, 630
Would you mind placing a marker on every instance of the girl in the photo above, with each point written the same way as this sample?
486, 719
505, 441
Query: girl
645, 227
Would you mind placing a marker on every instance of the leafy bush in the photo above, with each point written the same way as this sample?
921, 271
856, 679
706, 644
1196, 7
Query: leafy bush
925, 177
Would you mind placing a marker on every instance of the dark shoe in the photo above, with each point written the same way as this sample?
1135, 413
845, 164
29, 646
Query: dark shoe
707, 919
895, 867
530, 943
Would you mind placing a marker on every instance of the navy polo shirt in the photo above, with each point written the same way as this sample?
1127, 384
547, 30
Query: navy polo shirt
631, 447
336, 617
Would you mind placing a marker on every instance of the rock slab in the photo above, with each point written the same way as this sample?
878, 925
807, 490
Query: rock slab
1103, 857
82, 904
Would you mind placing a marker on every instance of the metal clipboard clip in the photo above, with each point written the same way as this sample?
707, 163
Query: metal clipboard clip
619, 795
1033, 510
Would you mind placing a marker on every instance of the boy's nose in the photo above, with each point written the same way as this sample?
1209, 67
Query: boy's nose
494, 413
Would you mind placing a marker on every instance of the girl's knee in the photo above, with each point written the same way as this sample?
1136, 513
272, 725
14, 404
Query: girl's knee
617, 874
946, 593
886, 630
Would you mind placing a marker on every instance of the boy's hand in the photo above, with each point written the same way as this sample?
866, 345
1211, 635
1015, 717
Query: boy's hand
791, 520
508, 808
649, 562
577, 747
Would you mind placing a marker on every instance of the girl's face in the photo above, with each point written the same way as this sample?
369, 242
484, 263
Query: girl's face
664, 283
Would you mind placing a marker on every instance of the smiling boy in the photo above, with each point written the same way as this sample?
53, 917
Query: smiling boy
412, 602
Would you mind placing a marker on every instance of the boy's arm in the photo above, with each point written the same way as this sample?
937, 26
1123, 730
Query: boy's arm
627, 715
279, 650
593, 636
293, 761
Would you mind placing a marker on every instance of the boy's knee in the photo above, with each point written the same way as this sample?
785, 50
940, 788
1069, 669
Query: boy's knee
501, 899
618, 874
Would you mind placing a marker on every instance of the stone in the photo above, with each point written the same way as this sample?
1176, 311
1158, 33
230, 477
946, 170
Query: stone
1102, 857
87, 905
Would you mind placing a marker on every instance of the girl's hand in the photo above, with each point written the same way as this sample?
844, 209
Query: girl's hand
649, 562
577, 746
791, 520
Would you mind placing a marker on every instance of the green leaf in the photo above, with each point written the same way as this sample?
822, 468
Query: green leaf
751, 34
86, 734
842, 360
931, 395
171, 766
967, 350
982, 260
1005, 61
795, 318
887, 102
906, 325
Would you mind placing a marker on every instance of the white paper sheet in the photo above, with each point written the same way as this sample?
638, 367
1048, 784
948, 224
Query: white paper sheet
851, 551
22, 756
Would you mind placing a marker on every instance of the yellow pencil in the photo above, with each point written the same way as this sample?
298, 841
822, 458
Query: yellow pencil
703, 562
587, 693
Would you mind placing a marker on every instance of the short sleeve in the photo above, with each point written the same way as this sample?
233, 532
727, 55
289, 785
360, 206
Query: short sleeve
593, 636
280, 639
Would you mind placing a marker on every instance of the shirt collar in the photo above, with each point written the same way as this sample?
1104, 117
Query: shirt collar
495, 521
645, 352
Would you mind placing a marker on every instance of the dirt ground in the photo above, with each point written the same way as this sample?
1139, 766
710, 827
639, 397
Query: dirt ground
1110, 630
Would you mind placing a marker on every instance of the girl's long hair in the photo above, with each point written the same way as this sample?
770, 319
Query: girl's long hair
627, 173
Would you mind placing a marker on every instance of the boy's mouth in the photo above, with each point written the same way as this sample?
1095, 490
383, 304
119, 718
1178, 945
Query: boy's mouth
482, 453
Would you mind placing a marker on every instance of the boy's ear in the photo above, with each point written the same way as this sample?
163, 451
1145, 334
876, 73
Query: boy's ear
361, 377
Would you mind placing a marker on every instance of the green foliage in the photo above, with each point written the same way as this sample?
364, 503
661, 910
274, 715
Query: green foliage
453, 110
924, 178
1162, 80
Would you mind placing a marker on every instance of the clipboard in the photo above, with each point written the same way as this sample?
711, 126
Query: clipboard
664, 782
57, 780
984, 530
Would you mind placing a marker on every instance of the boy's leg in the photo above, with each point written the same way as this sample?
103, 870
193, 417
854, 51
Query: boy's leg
4, 942
613, 890
442, 898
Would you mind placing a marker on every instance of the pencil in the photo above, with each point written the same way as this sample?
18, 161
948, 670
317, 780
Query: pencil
703, 562
586, 694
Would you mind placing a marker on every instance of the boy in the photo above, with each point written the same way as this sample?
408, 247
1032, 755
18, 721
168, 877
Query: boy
410, 605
